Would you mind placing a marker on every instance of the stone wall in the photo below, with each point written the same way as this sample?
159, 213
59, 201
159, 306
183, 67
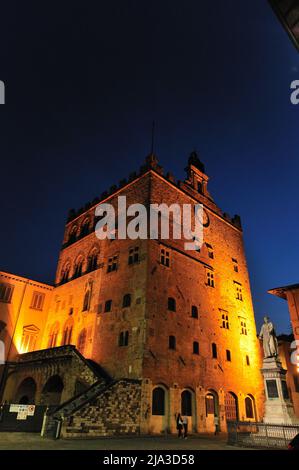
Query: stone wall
115, 411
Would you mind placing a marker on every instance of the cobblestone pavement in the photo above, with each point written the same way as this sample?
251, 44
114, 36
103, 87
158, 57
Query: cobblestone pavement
28, 441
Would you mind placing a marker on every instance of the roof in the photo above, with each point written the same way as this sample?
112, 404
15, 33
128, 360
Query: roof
281, 291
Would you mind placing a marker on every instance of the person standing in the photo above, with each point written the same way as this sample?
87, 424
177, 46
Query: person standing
216, 422
179, 424
185, 425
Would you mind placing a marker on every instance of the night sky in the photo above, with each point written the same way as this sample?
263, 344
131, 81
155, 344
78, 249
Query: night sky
84, 80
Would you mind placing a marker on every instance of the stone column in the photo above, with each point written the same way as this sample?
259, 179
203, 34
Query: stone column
278, 406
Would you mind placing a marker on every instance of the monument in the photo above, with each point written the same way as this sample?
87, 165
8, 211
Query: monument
278, 406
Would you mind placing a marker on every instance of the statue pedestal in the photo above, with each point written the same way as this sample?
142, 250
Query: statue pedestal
278, 406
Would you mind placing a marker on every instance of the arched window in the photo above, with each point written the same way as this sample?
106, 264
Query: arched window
52, 342
82, 341
249, 407
186, 403
195, 347
29, 338
123, 339
171, 304
172, 342
86, 301
73, 234
85, 228
214, 350
65, 273
194, 311
127, 300
158, 401
92, 262
67, 332
78, 268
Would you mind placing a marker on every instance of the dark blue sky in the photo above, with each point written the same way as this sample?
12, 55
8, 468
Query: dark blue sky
85, 80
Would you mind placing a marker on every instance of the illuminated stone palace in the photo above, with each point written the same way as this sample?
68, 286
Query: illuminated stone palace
135, 331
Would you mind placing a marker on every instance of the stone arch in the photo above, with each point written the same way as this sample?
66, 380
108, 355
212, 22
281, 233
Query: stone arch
78, 265
52, 390
65, 271
212, 409
26, 392
231, 406
73, 234
250, 408
188, 407
93, 258
85, 227
159, 421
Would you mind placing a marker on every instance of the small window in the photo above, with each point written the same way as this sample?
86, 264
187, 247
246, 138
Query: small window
108, 306
243, 327
171, 304
92, 262
247, 360
133, 255
195, 347
127, 300
214, 350
228, 355
239, 294
235, 265
194, 311
210, 279
37, 301
123, 339
112, 264
225, 321
78, 269
86, 301
85, 228
6, 291
165, 257
172, 342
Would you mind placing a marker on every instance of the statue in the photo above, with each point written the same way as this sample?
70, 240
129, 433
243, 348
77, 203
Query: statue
268, 335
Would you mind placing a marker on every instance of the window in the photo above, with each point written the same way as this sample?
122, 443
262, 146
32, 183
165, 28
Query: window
210, 251
165, 257
112, 264
29, 338
171, 342
133, 255
210, 279
127, 300
249, 407
65, 274
214, 350
228, 355
85, 228
239, 295
92, 263
225, 321
123, 339
67, 333
73, 234
158, 401
210, 404
82, 341
186, 403
199, 186
6, 291
235, 265
108, 306
86, 301
194, 311
37, 300
171, 304
53, 335
247, 360
195, 347
243, 326
78, 268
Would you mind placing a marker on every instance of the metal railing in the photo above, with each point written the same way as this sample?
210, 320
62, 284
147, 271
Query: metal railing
252, 434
